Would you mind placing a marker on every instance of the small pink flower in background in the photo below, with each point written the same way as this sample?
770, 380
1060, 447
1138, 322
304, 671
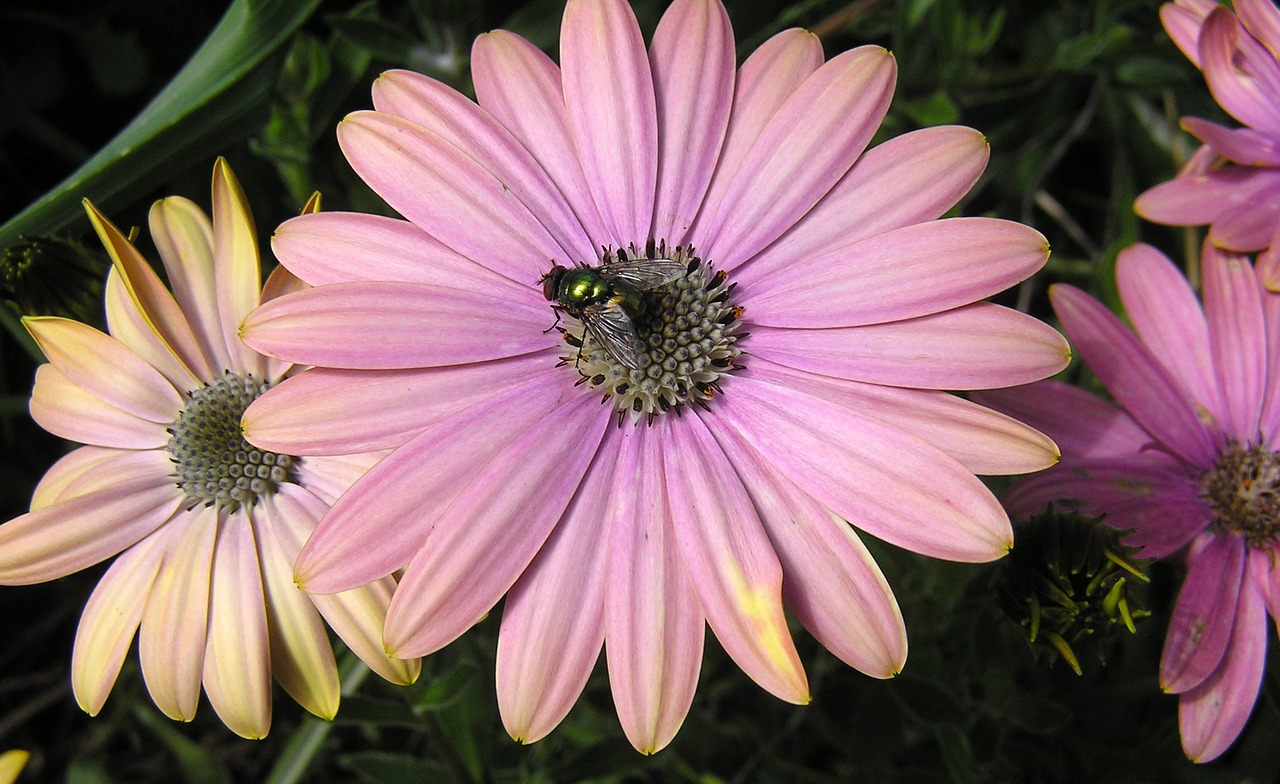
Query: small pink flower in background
1232, 183
755, 352
1189, 461
206, 527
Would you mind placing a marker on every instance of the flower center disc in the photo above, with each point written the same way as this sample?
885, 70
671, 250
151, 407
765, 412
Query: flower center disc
1244, 491
213, 464
688, 331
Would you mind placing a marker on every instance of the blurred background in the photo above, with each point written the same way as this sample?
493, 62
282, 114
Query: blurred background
1079, 101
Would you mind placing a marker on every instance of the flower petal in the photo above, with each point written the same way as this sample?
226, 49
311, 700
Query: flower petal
1170, 322
766, 80
1238, 334
106, 368
381, 521
133, 496
448, 194
237, 271
978, 346
1183, 21
1244, 146
1251, 226
171, 644
1082, 424
654, 628
730, 561
380, 325
109, 621
1205, 611
328, 411
983, 441
301, 656
356, 615
803, 151
127, 323
909, 179
1133, 376
342, 247
1238, 81
481, 544
830, 581
1212, 715
693, 85
184, 236
913, 271
237, 659
459, 121
70, 412
608, 93
553, 619
521, 87
66, 476
862, 470
1158, 510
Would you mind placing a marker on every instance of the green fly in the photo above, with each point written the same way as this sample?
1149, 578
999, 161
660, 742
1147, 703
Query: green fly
609, 298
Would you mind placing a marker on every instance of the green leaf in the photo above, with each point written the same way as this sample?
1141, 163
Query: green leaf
198, 764
203, 109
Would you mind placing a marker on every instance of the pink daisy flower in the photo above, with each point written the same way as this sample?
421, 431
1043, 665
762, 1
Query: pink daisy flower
1232, 182
206, 527
756, 319
1188, 462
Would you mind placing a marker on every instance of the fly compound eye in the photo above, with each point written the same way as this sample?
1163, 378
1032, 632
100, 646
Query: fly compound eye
551, 282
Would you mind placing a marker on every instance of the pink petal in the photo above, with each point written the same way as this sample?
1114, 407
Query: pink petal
184, 236
1183, 24
127, 323
1212, 715
481, 544
608, 93
444, 111
883, 480
654, 626
67, 475
1250, 226
448, 194
109, 621
521, 87
106, 368
356, 615
804, 150
912, 271
237, 272
1203, 616
152, 303
975, 347
380, 523
1243, 93
327, 477
1200, 198
730, 560
171, 645
693, 86
133, 495
1133, 376
70, 412
981, 440
1270, 417
909, 179
1169, 320
1244, 146
1159, 511
380, 325
830, 581
1082, 424
766, 80
553, 620
343, 247
1237, 331
328, 411
301, 655
1262, 20
237, 659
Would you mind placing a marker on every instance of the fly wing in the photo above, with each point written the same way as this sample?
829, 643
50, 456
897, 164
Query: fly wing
612, 328
644, 274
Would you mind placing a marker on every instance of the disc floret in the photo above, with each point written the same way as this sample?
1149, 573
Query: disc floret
689, 332
1243, 489
213, 463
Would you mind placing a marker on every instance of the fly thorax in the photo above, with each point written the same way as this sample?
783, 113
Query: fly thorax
213, 463
688, 340
1243, 490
